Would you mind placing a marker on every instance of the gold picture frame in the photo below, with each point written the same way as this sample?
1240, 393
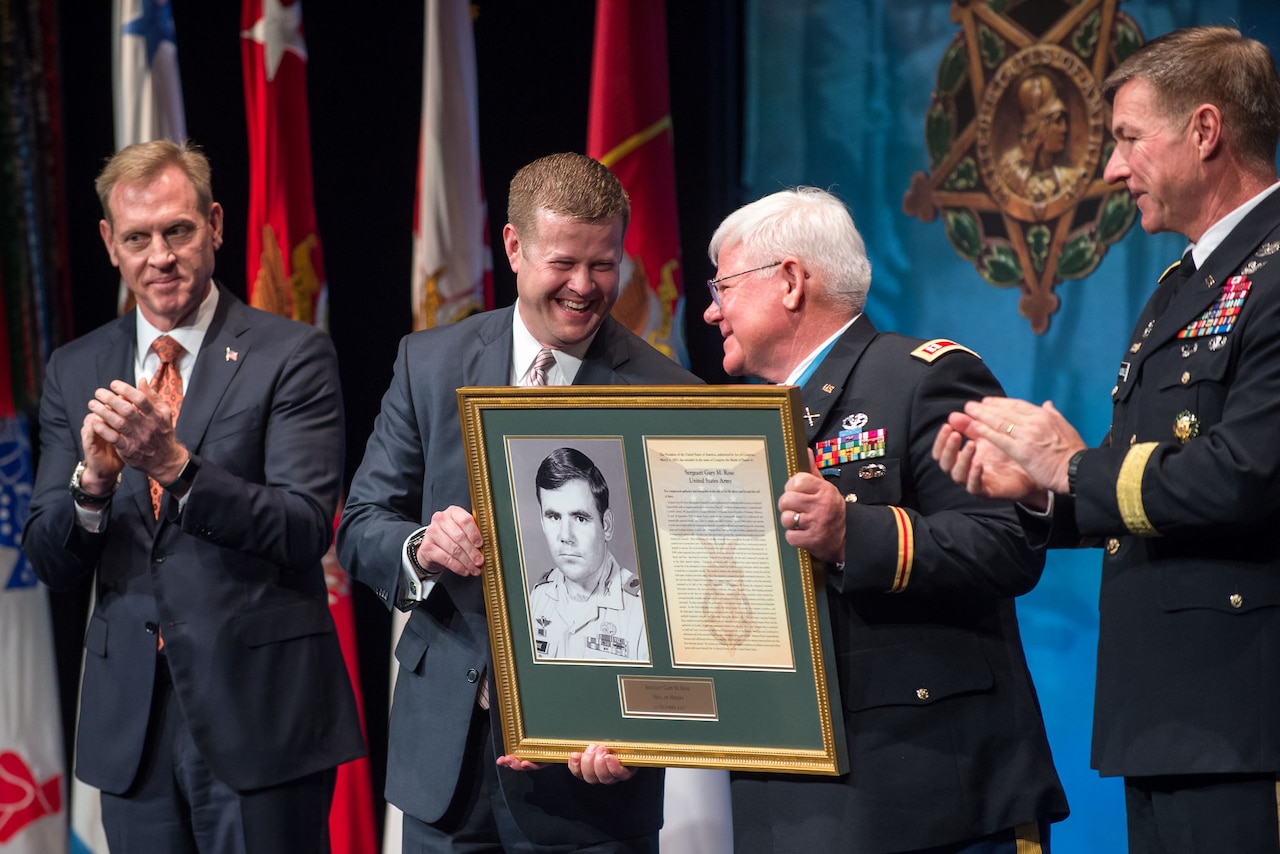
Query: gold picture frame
704, 637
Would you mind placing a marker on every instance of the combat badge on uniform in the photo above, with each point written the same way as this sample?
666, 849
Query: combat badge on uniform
1220, 317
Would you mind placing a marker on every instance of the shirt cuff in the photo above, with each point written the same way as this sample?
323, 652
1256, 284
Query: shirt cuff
413, 588
1046, 513
90, 520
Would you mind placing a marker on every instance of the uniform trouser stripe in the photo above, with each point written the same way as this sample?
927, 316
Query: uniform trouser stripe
1026, 838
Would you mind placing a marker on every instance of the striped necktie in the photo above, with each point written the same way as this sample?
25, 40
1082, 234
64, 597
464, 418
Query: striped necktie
543, 363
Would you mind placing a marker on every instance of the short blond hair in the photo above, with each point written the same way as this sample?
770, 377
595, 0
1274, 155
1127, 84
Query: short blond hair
567, 184
142, 162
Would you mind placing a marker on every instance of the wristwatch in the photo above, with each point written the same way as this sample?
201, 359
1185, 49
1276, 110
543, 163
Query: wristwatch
182, 485
82, 498
1073, 468
411, 552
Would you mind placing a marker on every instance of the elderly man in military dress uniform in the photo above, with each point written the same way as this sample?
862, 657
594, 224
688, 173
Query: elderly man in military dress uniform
947, 750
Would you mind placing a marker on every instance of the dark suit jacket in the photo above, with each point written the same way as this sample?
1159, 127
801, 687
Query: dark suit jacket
944, 733
1185, 497
413, 466
234, 580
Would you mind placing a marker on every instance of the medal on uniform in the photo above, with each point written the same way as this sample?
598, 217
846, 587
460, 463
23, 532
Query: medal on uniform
1220, 317
850, 444
1186, 426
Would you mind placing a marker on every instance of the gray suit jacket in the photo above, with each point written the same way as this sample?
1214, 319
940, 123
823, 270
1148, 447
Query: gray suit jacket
413, 466
234, 580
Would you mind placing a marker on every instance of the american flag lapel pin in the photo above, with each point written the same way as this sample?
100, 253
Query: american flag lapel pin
232, 355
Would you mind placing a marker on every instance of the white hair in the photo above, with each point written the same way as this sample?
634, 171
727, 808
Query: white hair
812, 225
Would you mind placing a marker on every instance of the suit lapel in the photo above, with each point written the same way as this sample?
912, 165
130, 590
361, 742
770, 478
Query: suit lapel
604, 356
825, 388
486, 358
227, 346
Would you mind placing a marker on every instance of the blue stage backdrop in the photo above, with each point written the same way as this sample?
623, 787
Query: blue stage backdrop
837, 97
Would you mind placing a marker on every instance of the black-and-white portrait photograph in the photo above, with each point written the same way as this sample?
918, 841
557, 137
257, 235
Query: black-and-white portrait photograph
578, 548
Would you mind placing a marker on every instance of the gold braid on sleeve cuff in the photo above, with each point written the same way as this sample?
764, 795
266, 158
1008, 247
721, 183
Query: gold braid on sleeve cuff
1129, 490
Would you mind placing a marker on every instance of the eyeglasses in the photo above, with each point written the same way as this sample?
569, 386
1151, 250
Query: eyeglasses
715, 287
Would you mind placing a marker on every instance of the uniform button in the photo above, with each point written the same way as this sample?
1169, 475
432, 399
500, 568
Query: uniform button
473, 675
922, 693
1133, 440
1186, 377
1236, 600
851, 499
1114, 390
151, 627
158, 557
1113, 546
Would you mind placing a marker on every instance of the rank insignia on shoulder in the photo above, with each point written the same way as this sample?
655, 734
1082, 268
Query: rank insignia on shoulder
931, 351
630, 582
1186, 426
1220, 317
848, 446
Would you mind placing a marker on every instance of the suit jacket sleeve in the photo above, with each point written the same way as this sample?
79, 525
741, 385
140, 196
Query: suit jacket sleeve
274, 497
386, 497
927, 535
61, 552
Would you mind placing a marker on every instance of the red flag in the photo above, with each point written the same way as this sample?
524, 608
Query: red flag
285, 264
286, 277
629, 130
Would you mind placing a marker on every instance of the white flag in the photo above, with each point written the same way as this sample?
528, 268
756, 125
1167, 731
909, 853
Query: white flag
393, 821
148, 88
452, 264
145, 80
32, 789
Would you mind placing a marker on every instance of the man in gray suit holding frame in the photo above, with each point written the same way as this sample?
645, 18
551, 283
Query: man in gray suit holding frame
408, 533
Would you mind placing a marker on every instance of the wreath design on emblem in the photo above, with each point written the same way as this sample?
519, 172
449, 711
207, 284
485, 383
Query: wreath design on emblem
1018, 135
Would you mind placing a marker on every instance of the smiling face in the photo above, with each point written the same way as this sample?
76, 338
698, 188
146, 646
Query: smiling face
751, 319
163, 245
567, 276
577, 533
1158, 161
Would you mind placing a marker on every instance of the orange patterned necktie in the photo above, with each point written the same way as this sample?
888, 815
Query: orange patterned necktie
168, 384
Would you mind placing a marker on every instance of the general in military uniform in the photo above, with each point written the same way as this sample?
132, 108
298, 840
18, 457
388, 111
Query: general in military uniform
1183, 494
